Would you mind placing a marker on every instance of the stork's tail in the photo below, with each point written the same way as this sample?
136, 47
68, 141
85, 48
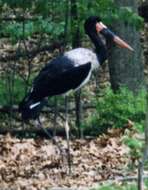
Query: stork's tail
31, 109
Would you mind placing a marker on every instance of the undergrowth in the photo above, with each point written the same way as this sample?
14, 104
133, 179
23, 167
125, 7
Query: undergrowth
116, 109
120, 186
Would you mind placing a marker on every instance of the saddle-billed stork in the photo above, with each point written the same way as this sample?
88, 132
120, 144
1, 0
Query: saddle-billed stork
70, 71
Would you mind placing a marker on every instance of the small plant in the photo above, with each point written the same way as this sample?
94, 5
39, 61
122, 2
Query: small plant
135, 146
115, 109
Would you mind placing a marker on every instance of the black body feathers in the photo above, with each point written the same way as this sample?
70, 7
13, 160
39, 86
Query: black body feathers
57, 77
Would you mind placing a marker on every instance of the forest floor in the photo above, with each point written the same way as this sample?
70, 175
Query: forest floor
36, 164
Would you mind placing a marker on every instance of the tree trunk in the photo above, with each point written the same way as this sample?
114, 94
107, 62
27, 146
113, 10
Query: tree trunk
76, 42
126, 68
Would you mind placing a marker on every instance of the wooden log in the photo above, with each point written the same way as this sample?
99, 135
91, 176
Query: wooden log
49, 109
31, 132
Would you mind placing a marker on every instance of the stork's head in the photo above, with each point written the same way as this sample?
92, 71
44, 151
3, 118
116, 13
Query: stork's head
90, 24
93, 25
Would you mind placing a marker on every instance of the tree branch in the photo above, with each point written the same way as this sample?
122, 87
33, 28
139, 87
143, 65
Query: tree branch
18, 19
32, 53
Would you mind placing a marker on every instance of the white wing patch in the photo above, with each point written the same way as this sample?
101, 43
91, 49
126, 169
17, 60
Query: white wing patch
34, 105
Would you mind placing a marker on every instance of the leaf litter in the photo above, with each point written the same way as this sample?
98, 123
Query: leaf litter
28, 164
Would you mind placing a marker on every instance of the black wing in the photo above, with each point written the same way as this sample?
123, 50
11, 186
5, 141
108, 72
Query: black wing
58, 79
55, 67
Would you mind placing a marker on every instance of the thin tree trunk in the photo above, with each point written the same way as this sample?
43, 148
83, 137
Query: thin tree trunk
74, 25
145, 151
76, 42
66, 24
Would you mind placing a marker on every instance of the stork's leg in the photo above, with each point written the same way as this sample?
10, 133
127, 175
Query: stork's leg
55, 115
78, 105
67, 134
23, 129
39, 124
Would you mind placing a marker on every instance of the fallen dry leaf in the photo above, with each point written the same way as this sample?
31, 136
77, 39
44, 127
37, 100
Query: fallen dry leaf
36, 164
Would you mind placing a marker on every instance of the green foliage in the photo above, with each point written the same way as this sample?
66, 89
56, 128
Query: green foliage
41, 23
17, 3
133, 143
111, 13
120, 186
115, 109
42, 7
7, 92
146, 182
15, 30
51, 16
135, 146
112, 186
128, 16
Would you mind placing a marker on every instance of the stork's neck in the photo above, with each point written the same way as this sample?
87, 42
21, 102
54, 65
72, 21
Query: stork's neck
100, 48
